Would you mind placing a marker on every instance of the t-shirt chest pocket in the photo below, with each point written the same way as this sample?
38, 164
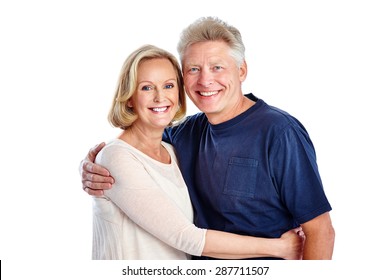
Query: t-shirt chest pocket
241, 177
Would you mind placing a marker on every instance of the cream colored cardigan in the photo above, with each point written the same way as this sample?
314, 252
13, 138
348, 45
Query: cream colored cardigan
148, 213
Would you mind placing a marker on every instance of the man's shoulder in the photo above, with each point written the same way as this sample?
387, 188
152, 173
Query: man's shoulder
272, 119
190, 125
190, 121
267, 111
268, 114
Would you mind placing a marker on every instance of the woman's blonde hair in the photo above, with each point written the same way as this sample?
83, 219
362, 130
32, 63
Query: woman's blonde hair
120, 114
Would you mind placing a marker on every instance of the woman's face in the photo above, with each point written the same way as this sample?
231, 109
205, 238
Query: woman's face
156, 99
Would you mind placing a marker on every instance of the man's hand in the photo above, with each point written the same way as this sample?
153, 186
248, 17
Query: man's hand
95, 178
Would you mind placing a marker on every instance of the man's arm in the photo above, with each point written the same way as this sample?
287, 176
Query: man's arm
95, 178
320, 237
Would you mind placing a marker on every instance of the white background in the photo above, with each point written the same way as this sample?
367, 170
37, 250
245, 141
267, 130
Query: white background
325, 62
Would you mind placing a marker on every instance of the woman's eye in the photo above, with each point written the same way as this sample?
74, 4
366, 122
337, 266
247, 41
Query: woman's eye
169, 86
147, 88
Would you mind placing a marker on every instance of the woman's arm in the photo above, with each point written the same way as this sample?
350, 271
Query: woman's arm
137, 195
225, 245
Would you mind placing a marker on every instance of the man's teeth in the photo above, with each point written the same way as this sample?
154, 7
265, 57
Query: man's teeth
160, 109
208, 93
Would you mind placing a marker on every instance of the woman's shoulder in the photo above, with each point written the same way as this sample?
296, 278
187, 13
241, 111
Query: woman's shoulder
115, 145
170, 149
114, 149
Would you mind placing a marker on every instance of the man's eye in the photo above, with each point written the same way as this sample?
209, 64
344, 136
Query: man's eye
194, 69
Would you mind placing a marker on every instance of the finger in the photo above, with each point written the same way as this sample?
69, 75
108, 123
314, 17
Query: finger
96, 178
301, 234
92, 168
297, 229
93, 185
93, 192
94, 151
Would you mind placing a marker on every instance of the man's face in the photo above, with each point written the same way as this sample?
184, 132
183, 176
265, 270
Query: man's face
212, 79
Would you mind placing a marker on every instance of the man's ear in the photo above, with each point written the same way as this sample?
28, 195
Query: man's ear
243, 71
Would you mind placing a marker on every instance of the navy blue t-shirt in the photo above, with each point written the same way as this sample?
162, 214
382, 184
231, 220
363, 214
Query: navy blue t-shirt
255, 174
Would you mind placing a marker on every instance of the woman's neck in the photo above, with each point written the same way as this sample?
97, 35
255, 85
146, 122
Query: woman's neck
146, 141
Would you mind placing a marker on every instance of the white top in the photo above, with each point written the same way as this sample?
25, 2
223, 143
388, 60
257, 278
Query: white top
148, 213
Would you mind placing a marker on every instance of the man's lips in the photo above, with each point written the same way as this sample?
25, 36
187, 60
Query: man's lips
207, 93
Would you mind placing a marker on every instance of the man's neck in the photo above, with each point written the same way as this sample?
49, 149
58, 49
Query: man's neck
241, 106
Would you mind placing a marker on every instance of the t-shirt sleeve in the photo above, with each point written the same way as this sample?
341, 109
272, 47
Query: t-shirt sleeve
138, 196
295, 173
167, 135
